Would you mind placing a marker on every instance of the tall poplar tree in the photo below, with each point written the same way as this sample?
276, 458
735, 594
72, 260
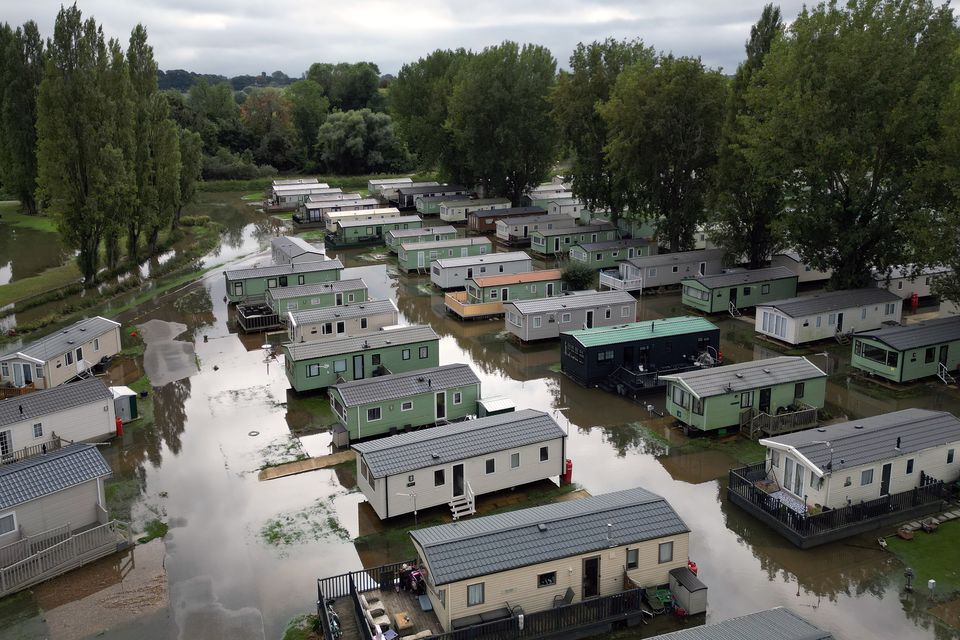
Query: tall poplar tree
22, 57
143, 83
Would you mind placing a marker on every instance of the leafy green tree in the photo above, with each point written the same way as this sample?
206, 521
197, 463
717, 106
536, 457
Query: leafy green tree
848, 107
419, 102
664, 125
78, 155
143, 83
22, 71
119, 128
499, 115
348, 86
191, 159
308, 110
578, 276
594, 68
165, 169
355, 142
218, 116
748, 197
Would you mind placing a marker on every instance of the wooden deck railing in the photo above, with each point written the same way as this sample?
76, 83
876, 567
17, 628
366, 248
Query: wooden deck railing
805, 525
773, 425
71, 552
54, 443
13, 392
459, 303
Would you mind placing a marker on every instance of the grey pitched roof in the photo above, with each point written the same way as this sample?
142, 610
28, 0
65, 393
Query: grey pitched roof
908, 271
372, 222
681, 257
917, 334
614, 244
566, 201
873, 439
300, 290
832, 301
509, 212
404, 385
453, 197
441, 244
542, 217
424, 231
487, 258
566, 231
747, 375
282, 183
283, 269
418, 188
66, 339
579, 300
292, 246
391, 181
479, 202
743, 277
772, 624
482, 546
41, 475
457, 441
342, 312
47, 401
379, 340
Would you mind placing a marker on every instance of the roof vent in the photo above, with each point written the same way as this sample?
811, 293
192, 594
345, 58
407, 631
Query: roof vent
83, 328
69, 341
542, 527
64, 331
858, 426
421, 379
765, 370
435, 455
739, 375
822, 430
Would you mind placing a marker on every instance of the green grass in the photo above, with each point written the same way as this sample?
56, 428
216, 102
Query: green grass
932, 555
316, 522
347, 183
741, 449
121, 493
303, 627
11, 215
44, 282
313, 234
152, 530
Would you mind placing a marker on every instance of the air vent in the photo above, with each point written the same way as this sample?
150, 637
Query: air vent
435, 456
542, 527
83, 328
822, 430
739, 375
69, 341
766, 370
858, 426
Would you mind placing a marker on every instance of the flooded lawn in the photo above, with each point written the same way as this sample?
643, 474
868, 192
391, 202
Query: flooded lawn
242, 556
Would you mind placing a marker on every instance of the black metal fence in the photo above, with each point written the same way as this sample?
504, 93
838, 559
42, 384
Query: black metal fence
741, 484
383, 577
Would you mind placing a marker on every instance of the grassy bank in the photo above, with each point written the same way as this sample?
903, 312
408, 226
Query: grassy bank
10, 215
347, 183
932, 556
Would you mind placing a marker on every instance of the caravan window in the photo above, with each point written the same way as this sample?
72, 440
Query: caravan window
8, 523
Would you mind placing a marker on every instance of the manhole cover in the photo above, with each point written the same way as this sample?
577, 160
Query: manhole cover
253, 434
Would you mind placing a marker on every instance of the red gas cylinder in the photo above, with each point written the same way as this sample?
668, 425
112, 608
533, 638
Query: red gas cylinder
119, 427
568, 472
914, 301
692, 566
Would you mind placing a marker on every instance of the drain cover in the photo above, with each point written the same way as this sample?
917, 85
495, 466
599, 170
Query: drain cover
253, 434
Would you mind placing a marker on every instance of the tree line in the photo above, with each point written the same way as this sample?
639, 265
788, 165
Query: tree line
837, 136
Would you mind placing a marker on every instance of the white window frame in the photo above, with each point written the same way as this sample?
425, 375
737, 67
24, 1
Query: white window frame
472, 600
96, 344
537, 322
661, 548
13, 516
486, 466
406, 405
457, 397
379, 411
515, 456
37, 429
564, 318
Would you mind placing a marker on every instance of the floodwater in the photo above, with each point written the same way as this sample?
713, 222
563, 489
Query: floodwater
197, 469
27, 252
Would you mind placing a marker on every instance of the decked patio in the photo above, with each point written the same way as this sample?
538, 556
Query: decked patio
762, 424
612, 279
751, 489
257, 316
458, 303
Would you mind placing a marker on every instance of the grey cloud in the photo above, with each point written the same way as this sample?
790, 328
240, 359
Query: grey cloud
249, 36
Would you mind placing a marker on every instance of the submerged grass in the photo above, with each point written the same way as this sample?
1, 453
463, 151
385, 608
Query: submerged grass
42, 283
285, 449
932, 556
303, 627
316, 522
152, 530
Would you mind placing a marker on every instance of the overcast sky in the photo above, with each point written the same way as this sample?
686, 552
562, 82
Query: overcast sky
249, 36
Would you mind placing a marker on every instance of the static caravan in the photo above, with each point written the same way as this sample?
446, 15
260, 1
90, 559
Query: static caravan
484, 296
606, 254
291, 249
82, 411
805, 273
778, 623
382, 187
827, 314
571, 206
558, 241
407, 196
249, 283
61, 356
762, 396
289, 181
395, 237
332, 217
453, 273
542, 194
347, 321
430, 205
571, 552
516, 231
736, 290
631, 357
317, 212
53, 504
359, 232
486, 221
458, 210
291, 195
403, 401
316, 296
702, 238
452, 464
317, 365
547, 318
911, 352
311, 211
662, 270
866, 459
908, 280
418, 255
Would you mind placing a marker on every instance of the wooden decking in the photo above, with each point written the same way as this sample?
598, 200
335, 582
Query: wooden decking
303, 466
392, 602
458, 303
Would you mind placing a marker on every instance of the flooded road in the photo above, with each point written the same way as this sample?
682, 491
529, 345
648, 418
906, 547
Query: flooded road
242, 556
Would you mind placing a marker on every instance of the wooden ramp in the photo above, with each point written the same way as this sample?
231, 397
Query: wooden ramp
303, 466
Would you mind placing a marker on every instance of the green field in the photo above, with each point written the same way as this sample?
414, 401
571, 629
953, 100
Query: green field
932, 555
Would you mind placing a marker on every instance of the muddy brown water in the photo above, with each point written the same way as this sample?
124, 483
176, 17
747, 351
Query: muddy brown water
198, 470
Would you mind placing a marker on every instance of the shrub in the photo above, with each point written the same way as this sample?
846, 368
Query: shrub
578, 276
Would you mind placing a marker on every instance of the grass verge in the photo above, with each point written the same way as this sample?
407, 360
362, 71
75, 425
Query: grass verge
152, 530
44, 282
303, 627
932, 556
10, 215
